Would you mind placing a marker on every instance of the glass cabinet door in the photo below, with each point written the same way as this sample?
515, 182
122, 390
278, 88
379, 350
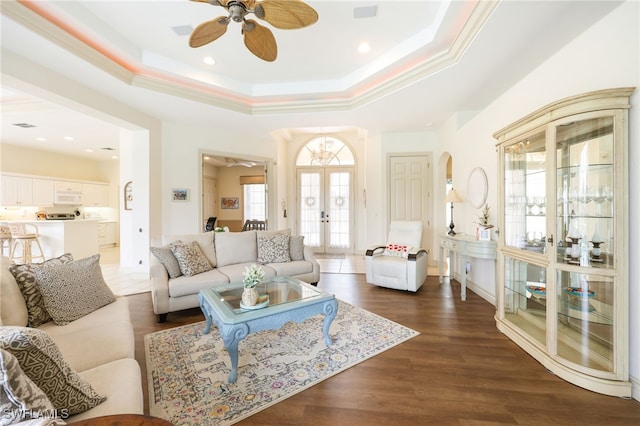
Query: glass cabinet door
585, 287
525, 220
584, 186
525, 297
585, 319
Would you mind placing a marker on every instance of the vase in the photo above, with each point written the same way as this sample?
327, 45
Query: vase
249, 296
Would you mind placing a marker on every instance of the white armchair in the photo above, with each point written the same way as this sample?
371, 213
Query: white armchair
400, 264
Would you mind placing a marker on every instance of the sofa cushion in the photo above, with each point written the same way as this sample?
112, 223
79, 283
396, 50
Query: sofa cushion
26, 279
296, 247
13, 309
79, 282
104, 343
293, 268
235, 273
205, 241
273, 248
20, 398
41, 360
112, 313
190, 258
166, 257
185, 286
236, 247
121, 380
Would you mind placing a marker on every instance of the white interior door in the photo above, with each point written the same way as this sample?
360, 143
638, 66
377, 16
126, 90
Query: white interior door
325, 209
410, 191
209, 198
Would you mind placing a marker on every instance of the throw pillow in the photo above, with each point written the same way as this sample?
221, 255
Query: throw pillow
233, 248
296, 247
190, 258
20, 398
41, 360
73, 290
26, 279
166, 257
274, 248
399, 250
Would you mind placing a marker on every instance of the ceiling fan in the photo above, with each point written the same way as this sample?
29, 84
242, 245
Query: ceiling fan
231, 162
282, 14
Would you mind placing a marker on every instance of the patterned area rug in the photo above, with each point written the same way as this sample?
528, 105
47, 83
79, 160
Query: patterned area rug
188, 371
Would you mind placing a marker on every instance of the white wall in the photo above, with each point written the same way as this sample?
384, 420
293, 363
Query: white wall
607, 55
182, 146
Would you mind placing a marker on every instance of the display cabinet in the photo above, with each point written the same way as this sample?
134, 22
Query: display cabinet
562, 288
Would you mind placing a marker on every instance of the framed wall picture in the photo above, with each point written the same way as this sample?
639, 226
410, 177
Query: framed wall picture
484, 234
230, 202
180, 194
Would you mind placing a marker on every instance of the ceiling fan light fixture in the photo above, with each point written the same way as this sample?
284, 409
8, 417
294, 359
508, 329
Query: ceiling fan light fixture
282, 14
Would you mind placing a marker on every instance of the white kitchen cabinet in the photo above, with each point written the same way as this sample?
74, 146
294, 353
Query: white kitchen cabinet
107, 233
16, 191
95, 195
563, 277
68, 186
42, 192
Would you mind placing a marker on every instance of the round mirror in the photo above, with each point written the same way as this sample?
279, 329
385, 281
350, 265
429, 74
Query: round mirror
477, 187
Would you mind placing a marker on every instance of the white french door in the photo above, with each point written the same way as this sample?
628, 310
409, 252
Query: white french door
325, 208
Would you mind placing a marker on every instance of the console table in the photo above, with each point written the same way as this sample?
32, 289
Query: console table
465, 246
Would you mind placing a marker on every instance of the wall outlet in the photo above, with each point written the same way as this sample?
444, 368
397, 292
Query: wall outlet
468, 267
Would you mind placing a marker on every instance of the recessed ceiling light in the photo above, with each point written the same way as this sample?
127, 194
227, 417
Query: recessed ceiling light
364, 47
68, 138
209, 60
41, 139
115, 157
88, 150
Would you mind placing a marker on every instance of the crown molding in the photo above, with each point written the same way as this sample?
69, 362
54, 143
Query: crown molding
132, 72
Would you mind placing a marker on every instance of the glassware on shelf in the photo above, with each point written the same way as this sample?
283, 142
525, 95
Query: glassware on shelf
530, 203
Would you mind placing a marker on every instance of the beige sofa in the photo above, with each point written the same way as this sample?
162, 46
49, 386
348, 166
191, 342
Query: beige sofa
228, 254
99, 347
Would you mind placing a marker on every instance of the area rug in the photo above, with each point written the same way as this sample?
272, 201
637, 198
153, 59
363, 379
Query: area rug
188, 371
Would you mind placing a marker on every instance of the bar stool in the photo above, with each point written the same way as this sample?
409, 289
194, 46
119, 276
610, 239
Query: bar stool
5, 238
25, 235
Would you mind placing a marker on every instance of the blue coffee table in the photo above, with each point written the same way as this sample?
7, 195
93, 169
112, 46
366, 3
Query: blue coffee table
289, 300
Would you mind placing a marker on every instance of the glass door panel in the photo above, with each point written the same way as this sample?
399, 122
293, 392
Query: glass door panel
311, 207
525, 297
585, 319
325, 205
525, 189
584, 187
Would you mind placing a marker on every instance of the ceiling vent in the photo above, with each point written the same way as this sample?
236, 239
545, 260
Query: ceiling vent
365, 12
24, 125
182, 30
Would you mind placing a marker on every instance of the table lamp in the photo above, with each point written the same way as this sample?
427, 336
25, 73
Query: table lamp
452, 197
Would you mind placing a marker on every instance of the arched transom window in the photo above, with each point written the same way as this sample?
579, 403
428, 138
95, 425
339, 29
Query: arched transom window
325, 151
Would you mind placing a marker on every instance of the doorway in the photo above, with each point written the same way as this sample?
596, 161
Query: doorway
325, 206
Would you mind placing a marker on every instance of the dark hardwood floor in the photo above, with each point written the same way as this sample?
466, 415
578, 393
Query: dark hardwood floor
459, 371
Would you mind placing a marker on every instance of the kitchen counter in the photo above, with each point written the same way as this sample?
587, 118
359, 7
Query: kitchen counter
57, 237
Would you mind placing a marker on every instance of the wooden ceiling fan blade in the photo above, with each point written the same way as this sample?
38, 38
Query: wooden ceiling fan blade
286, 14
208, 31
260, 40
